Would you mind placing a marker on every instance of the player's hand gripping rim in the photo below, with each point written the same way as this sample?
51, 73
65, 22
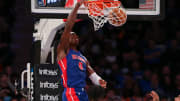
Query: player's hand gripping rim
81, 2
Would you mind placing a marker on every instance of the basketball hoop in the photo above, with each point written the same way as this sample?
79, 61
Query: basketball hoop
106, 10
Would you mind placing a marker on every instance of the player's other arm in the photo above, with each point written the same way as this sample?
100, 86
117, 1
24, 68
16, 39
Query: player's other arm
64, 41
97, 80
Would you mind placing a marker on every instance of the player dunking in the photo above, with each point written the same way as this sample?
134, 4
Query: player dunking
73, 64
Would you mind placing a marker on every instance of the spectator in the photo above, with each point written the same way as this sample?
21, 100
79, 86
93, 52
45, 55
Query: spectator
177, 98
172, 54
145, 83
114, 98
152, 54
4, 91
95, 93
110, 93
131, 51
14, 99
155, 84
164, 99
166, 81
8, 70
154, 96
127, 91
178, 35
177, 84
137, 93
23, 99
117, 76
137, 70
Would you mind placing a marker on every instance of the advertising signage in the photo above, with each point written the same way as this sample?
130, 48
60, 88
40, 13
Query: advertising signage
47, 83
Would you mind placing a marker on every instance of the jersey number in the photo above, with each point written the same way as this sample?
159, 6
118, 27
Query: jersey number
80, 65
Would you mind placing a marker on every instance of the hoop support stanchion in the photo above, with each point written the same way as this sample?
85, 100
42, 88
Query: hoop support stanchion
29, 83
22, 79
52, 55
28, 75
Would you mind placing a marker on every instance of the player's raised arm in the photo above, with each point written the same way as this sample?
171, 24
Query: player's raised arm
72, 17
64, 41
97, 80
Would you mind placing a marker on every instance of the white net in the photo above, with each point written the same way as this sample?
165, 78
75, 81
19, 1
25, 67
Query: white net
99, 13
98, 21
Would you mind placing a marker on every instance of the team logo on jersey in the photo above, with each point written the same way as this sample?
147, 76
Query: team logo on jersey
80, 65
79, 58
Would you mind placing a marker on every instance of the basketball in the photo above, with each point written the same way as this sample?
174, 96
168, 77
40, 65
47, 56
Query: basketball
117, 16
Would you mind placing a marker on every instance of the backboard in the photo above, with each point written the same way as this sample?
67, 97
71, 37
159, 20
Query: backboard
136, 9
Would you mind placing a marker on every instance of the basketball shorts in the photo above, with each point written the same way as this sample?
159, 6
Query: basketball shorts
74, 94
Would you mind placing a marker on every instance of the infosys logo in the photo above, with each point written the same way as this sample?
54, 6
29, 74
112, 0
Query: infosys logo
48, 72
47, 84
48, 97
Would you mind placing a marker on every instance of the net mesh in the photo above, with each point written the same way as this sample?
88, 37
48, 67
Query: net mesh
97, 15
98, 12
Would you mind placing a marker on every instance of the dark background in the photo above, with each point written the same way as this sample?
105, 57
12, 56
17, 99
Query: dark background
134, 59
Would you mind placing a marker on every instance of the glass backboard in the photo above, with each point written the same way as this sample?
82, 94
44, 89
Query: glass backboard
136, 9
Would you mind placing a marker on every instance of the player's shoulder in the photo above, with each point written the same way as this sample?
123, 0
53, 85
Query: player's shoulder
83, 56
61, 55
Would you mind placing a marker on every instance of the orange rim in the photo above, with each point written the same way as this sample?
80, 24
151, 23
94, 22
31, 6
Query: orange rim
94, 12
106, 2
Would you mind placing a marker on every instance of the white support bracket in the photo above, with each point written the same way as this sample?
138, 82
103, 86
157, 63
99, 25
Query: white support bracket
46, 31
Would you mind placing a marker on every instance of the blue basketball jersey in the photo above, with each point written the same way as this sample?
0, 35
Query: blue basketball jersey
73, 70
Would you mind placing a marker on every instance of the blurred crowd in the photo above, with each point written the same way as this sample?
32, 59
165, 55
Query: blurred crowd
132, 63
134, 59
7, 72
7, 19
